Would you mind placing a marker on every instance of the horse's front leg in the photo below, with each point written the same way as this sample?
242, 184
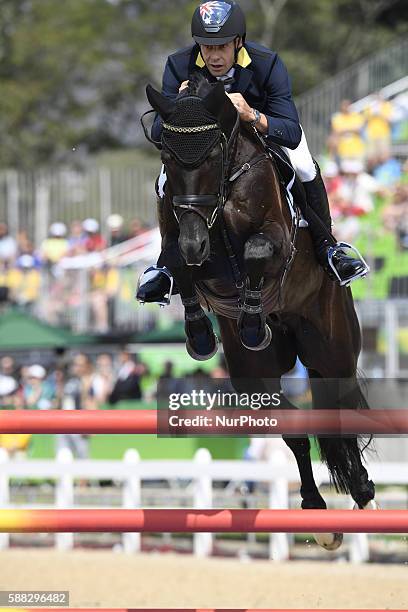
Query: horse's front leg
201, 342
254, 332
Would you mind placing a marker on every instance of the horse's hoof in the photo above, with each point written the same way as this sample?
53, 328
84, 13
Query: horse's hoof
371, 505
265, 342
329, 541
199, 357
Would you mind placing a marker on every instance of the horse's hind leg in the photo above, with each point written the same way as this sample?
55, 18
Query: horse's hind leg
343, 453
311, 498
253, 330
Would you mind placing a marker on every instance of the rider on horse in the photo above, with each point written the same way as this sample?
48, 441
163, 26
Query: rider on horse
257, 83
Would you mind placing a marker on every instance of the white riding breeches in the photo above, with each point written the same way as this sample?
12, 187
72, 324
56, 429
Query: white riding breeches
300, 159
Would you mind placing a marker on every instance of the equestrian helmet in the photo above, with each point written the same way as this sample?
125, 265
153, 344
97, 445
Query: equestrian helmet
218, 23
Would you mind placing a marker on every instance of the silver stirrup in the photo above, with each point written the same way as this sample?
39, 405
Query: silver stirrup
355, 254
151, 273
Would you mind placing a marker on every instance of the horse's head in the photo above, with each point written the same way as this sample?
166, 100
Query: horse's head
197, 129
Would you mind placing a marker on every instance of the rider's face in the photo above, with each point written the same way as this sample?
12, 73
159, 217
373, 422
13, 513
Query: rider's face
219, 58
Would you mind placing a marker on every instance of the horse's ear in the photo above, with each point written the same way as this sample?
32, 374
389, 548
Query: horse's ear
215, 99
160, 103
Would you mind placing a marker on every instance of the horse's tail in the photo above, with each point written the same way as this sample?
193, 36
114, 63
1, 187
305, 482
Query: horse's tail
342, 455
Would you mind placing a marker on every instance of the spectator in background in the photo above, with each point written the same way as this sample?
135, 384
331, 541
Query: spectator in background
76, 239
332, 178
127, 384
27, 249
8, 246
56, 380
167, 380
8, 390
386, 170
115, 227
26, 281
395, 215
61, 359
36, 389
357, 188
24, 243
79, 391
104, 286
79, 394
94, 241
55, 247
378, 117
346, 142
8, 367
353, 198
136, 228
104, 378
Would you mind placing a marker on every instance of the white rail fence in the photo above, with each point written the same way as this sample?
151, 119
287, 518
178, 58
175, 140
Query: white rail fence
277, 474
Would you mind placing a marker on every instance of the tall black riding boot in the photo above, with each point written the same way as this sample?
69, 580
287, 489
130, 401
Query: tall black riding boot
156, 284
341, 261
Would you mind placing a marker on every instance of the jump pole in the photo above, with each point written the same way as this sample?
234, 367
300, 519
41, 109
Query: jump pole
203, 521
147, 422
194, 610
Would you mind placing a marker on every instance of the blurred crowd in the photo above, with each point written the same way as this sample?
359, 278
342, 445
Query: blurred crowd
71, 383
75, 382
361, 170
28, 271
82, 382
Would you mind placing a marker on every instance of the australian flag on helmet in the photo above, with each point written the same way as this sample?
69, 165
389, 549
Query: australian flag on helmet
214, 15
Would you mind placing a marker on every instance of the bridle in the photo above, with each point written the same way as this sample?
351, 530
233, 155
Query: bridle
194, 202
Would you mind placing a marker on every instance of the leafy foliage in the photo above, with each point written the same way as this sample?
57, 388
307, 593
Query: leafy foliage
73, 73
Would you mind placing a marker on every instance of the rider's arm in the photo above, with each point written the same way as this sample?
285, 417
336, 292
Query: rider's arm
280, 112
170, 89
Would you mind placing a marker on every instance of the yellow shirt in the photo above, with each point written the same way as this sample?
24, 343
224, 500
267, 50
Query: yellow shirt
54, 249
351, 147
378, 121
347, 122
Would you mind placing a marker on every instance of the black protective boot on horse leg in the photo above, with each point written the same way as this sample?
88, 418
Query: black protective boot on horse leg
340, 260
254, 332
201, 342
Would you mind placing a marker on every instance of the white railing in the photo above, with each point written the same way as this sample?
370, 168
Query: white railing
277, 474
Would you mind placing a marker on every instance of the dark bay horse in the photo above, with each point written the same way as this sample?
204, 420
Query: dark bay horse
231, 243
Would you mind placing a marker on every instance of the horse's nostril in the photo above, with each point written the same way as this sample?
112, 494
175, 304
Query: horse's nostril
202, 247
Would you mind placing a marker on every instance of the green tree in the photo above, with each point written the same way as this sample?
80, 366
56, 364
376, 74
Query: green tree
73, 73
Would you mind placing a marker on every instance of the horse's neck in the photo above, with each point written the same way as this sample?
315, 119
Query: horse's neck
247, 146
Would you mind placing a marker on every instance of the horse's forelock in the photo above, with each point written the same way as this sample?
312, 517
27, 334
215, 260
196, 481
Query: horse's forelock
198, 85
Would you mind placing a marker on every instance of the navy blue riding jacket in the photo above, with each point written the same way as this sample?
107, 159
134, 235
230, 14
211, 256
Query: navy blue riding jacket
260, 76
